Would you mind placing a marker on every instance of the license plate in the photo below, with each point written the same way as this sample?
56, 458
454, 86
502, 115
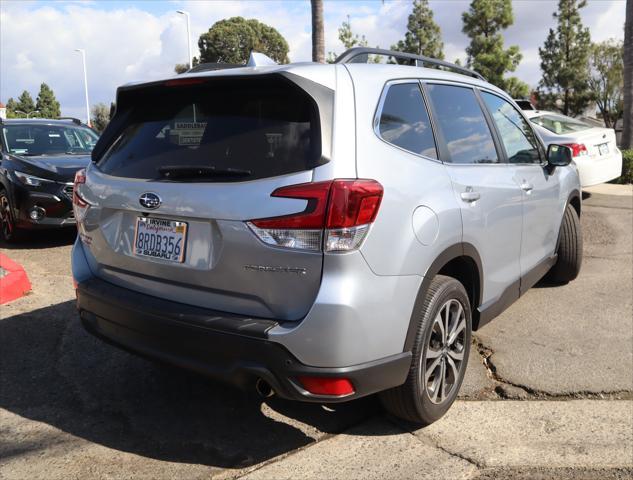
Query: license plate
160, 238
603, 148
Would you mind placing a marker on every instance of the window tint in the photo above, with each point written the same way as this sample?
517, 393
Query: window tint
404, 120
517, 136
232, 129
463, 125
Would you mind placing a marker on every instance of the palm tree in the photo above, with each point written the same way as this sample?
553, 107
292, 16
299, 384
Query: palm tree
318, 37
627, 129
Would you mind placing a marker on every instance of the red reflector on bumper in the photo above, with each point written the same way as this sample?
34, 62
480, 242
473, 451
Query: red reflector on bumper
327, 385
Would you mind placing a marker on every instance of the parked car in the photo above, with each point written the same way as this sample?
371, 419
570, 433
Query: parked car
38, 162
594, 149
324, 232
524, 104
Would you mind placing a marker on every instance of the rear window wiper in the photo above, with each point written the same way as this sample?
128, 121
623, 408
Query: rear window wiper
179, 172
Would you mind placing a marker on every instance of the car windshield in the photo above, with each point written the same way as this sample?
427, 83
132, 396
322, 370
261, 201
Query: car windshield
30, 139
560, 124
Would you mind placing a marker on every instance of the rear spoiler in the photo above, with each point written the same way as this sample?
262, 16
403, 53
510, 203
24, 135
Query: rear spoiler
127, 93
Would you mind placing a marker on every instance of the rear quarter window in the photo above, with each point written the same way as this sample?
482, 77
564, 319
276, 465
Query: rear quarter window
264, 127
404, 120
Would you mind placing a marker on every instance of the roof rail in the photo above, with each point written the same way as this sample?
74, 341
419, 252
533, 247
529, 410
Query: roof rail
73, 119
361, 55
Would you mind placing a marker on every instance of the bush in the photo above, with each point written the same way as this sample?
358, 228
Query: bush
627, 168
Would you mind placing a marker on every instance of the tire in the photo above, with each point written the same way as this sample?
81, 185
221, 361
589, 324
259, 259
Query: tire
569, 249
8, 230
417, 401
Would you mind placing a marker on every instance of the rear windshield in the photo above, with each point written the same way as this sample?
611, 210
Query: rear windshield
220, 130
560, 124
34, 140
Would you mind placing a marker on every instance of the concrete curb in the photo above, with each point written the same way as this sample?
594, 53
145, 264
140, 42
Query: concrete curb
611, 189
14, 283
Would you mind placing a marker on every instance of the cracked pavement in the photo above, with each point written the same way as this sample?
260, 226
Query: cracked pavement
548, 392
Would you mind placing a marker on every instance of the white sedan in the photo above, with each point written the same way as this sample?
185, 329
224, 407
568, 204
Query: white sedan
594, 149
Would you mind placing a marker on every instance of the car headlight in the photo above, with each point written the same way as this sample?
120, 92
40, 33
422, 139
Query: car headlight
31, 180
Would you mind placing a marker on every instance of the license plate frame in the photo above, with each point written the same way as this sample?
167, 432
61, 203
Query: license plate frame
603, 148
153, 228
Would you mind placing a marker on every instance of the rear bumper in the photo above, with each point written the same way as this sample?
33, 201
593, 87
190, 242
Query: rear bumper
223, 346
593, 171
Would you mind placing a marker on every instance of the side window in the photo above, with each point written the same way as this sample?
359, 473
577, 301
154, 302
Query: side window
463, 125
404, 120
518, 138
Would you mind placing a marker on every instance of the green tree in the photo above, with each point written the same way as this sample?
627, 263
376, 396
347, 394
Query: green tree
100, 116
423, 35
607, 79
184, 67
181, 68
47, 104
483, 23
516, 88
20, 108
12, 106
233, 39
348, 38
565, 61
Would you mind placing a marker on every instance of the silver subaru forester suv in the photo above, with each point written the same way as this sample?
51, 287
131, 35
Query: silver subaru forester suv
322, 232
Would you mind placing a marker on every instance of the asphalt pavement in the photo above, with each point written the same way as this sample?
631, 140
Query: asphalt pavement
548, 392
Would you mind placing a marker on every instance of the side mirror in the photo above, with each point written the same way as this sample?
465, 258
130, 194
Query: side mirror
558, 156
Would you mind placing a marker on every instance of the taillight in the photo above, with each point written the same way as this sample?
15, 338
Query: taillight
80, 177
80, 206
327, 386
577, 149
339, 211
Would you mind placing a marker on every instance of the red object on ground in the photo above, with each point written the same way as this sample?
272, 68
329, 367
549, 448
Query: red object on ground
14, 283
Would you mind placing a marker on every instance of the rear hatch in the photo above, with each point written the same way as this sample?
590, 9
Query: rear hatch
191, 161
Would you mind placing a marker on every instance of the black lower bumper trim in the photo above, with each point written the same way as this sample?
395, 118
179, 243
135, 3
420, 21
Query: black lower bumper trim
223, 346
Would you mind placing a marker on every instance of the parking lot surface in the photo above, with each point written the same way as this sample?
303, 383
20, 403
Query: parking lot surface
548, 392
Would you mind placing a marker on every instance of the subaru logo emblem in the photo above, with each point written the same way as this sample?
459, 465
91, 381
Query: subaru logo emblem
149, 200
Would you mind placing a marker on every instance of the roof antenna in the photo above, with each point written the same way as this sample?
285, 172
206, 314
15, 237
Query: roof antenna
259, 60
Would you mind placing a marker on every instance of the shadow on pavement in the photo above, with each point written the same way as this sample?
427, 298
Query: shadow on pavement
54, 372
35, 239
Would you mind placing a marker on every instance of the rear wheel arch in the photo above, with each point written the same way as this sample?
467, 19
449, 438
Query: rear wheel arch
462, 262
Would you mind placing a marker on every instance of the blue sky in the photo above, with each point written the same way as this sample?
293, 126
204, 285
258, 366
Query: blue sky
142, 40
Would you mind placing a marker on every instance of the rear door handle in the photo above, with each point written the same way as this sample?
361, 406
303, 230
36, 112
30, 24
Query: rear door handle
470, 196
527, 187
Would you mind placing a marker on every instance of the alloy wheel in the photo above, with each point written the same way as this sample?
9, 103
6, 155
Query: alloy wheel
6, 220
444, 355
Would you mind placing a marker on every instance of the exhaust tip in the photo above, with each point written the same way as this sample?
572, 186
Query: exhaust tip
263, 388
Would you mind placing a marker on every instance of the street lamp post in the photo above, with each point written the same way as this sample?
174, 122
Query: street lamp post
28, 115
83, 58
186, 14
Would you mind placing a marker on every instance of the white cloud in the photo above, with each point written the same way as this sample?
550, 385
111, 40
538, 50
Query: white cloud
143, 40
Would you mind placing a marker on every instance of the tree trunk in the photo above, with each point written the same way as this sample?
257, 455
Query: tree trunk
627, 131
318, 37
